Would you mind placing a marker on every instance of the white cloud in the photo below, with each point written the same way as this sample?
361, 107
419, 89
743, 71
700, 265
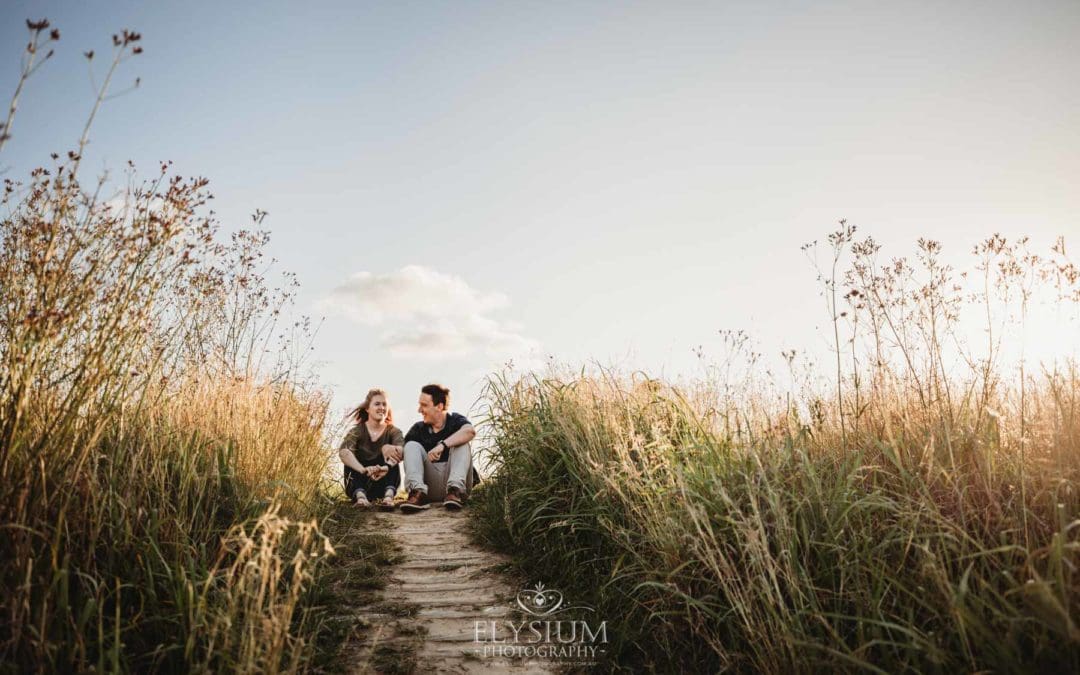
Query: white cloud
411, 292
456, 336
428, 314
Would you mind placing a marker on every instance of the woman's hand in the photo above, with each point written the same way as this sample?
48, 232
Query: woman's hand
393, 452
377, 472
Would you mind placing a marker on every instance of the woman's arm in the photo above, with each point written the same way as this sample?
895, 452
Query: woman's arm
349, 460
395, 449
345, 452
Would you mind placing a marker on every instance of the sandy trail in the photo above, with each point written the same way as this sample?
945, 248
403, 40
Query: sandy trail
426, 622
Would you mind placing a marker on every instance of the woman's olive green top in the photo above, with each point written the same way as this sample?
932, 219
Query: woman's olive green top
368, 450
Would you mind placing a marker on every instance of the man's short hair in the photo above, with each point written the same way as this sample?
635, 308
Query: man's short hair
437, 392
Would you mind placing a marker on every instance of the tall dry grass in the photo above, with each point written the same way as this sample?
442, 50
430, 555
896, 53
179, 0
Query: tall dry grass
919, 514
160, 455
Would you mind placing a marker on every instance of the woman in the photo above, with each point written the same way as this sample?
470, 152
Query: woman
372, 452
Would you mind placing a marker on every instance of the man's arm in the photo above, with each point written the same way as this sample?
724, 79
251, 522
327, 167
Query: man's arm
460, 437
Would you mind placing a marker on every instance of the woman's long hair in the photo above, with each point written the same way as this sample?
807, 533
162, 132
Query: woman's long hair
360, 412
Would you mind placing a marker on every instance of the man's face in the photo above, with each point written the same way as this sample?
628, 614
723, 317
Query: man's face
428, 410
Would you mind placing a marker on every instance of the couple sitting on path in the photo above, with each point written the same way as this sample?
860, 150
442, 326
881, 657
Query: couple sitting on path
436, 453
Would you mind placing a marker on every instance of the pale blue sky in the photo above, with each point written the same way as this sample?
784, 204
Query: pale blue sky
628, 177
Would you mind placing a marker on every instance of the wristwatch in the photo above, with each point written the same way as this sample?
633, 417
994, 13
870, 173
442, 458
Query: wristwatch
445, 446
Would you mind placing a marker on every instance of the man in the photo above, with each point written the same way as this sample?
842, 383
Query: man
438, 457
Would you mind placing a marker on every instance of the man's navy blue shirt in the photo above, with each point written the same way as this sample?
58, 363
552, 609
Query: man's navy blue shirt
422, 433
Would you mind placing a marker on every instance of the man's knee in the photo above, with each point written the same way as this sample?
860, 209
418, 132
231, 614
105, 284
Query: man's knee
461, 453
414, 448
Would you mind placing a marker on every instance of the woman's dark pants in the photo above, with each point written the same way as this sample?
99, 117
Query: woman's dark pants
373, 489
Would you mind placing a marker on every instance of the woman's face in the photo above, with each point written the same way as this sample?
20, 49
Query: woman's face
377, 408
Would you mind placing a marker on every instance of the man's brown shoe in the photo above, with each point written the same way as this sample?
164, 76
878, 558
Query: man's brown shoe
417, 501
454, 499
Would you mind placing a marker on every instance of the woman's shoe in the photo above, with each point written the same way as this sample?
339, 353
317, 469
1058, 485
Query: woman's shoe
362, 500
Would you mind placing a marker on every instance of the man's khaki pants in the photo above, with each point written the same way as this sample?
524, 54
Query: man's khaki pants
433, 478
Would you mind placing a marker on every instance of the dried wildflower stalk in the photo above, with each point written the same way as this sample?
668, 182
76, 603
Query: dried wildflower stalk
140, 420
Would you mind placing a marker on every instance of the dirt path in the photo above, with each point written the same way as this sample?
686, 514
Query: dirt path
426, 620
